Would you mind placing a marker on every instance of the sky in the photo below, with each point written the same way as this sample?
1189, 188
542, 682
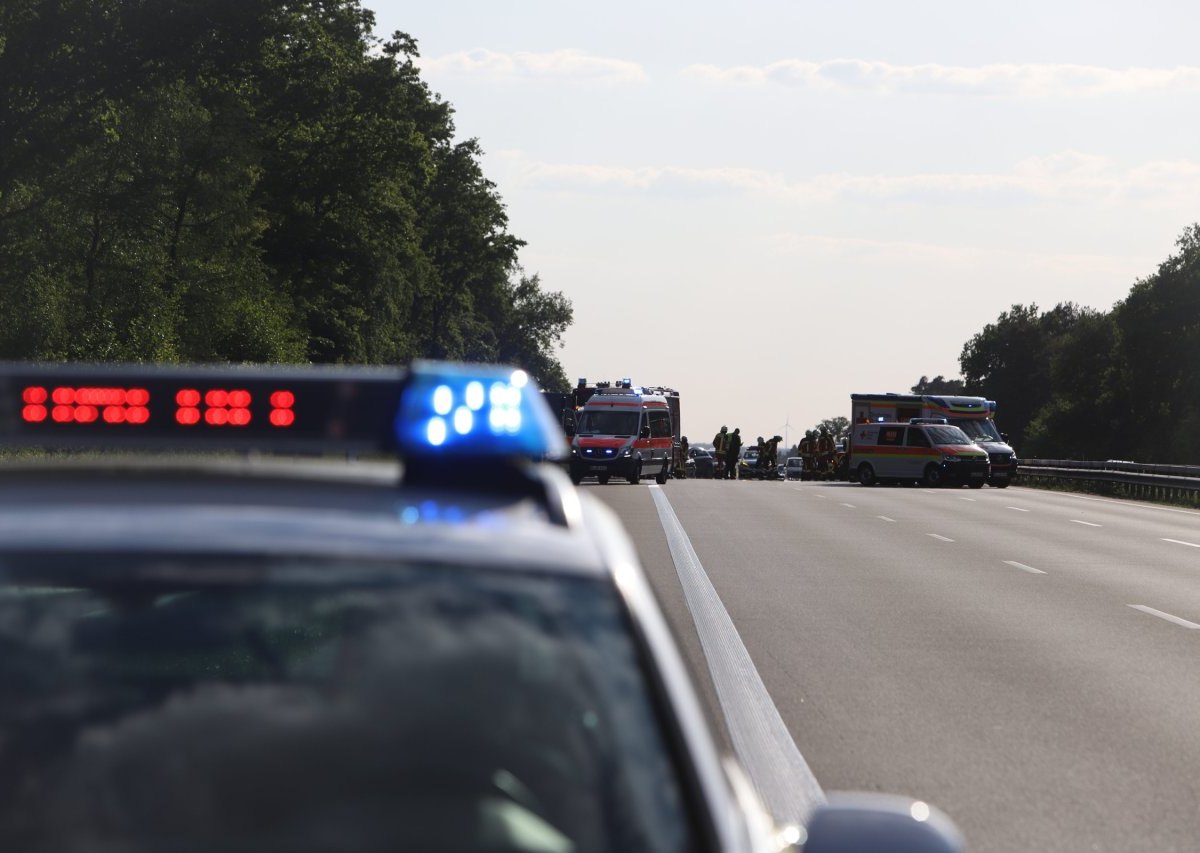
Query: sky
772, 204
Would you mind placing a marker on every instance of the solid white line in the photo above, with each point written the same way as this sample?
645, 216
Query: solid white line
885, 518
1023, 567
937, 536
1183, 623
760, 738
1088, 523
1181, 542
1017, 508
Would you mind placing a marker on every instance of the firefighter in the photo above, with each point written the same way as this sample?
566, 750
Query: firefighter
732, 449
720, 446
773, 453
808, 454
825, 452
681, 459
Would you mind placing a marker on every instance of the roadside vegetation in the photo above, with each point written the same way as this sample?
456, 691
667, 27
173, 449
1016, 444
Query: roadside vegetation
1076, 383
247, 180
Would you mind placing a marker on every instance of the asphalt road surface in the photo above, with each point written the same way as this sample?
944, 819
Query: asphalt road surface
1027, 660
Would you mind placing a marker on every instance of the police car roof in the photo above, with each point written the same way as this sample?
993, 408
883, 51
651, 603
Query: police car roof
453, 487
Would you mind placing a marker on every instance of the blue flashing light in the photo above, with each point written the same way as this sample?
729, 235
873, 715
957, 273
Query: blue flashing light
474, 410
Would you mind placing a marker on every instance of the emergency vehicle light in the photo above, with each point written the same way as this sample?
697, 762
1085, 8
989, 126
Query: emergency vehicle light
474, 410
430, 409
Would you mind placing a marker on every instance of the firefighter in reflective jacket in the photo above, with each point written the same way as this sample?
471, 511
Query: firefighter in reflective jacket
825, 452
720, 446
808, 452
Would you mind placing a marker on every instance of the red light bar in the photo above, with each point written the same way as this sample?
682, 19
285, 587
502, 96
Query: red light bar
329, 409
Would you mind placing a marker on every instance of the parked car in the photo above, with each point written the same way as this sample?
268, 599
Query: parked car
794, 468
700, 463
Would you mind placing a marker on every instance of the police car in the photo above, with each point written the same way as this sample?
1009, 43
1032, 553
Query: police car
308, 622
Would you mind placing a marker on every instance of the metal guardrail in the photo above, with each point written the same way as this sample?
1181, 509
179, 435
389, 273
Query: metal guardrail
1164, 482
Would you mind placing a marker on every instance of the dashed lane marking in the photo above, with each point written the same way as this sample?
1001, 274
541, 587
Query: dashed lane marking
1183, 623
1023, 567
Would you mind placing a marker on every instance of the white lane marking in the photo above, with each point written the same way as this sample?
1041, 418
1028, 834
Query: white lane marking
1023, 567
937, 536
1137, 504
1181, 542
972, 500
822, 497
783, 778
885, 518
1017, 508
1088, 523
851, 506
1183, 623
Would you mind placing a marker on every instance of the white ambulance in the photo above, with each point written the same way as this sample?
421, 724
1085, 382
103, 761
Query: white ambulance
625, 432
930, 451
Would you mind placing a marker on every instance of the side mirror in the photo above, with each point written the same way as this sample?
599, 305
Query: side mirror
1004, 437
875, 823
645, 433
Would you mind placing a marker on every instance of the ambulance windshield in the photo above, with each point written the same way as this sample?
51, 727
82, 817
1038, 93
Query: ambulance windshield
948, 435
978, 429
601, 422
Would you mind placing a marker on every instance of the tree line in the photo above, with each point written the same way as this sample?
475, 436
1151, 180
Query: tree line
1077, 383
246, 180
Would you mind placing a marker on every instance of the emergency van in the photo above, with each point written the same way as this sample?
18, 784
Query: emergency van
626, 432
973, 415
930, 451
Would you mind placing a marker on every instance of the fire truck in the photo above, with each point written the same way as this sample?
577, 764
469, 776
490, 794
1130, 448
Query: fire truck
973, 415
624, 430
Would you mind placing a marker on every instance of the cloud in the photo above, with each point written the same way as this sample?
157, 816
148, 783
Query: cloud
992, 80
1064, 176
559, 65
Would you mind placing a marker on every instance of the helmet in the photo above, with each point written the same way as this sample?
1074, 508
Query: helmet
724, 429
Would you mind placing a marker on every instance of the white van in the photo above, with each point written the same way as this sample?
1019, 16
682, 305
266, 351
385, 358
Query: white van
794, 468
936, 454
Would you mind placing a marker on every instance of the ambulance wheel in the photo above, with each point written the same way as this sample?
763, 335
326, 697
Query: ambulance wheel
933, 477
978, 485
663, 473
1003, 484
866, 475
635, 473
603, 478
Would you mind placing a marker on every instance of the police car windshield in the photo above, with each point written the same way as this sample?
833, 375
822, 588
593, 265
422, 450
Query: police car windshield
602, 422
416, 708
978, 429
948, 435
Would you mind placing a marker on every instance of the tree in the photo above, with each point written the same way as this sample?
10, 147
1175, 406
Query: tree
1159, 329
1009, 361
939, 385
259, 180
839, 427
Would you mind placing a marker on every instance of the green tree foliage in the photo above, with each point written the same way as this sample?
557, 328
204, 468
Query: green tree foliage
1081, 384
1009, 361
248, 180
939, 385
839, 427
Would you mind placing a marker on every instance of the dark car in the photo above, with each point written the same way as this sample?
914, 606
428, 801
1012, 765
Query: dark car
256, 643
701, 463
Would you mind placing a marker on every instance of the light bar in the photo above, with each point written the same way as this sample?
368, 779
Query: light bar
431, 410
475, 410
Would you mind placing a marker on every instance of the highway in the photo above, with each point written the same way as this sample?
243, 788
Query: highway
1029, 661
